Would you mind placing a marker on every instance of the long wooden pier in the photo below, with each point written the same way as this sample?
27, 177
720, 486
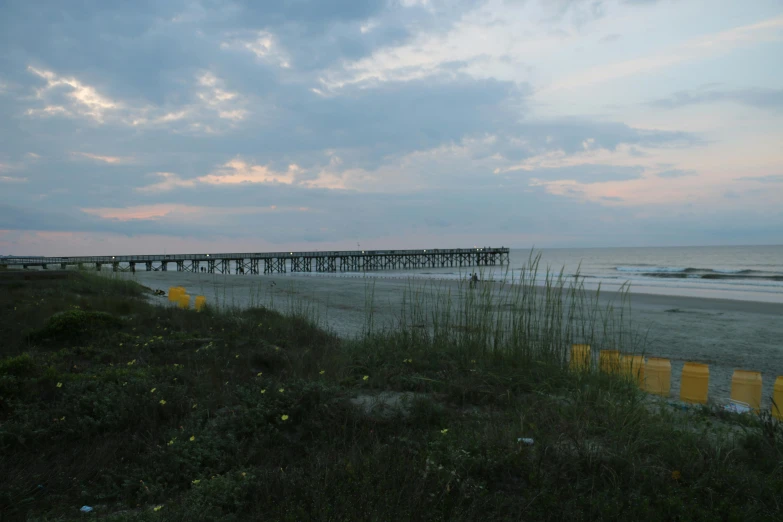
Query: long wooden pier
279, 262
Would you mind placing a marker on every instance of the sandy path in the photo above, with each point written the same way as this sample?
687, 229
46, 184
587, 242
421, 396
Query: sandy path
726, 334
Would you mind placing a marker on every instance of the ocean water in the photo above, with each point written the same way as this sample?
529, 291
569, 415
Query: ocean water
747, 273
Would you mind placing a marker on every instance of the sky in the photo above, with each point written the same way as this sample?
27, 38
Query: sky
191, 126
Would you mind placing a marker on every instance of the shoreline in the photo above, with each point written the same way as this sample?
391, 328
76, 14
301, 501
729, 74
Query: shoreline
726, 334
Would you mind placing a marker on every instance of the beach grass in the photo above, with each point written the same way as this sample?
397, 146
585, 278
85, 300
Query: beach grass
463, 409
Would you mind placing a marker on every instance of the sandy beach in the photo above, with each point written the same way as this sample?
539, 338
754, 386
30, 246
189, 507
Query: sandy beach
725, 334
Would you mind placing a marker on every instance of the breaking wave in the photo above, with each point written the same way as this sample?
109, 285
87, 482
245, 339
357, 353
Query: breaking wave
673, 272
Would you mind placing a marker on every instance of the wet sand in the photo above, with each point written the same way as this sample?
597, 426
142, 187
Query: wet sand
725, 334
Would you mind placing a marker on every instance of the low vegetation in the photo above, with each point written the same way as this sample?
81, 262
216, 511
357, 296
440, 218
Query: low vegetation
148, 412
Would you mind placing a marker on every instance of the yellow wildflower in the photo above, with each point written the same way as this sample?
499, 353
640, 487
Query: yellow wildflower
322, 372
281, 390
444, 431
120, 344
365, 377
244, 474
196, 481
157, 508
259, 374
236, 356
192, 438
194, 406
676, 475
62, 418
131, 363
284, 417
59, 385
153, 390
263, 391
162, 402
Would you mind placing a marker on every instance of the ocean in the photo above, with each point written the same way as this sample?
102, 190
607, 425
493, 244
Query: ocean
745, 273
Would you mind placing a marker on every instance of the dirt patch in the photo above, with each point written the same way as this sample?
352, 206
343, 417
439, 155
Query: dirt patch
387, 404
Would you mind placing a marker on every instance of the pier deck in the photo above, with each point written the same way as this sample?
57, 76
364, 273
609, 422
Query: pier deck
280, 262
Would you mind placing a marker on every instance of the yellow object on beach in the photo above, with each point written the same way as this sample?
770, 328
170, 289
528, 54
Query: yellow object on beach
609, 361
777, 398
175, 292
201, 301
746, 387
580, 357
694, 383
183, 301
633, 367
658, 376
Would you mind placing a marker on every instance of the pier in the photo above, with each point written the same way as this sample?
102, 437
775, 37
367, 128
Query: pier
278, 262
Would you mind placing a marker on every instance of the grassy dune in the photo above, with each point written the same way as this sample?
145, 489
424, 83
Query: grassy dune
153, 413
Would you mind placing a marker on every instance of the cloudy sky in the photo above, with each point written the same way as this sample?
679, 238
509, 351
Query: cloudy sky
215, 125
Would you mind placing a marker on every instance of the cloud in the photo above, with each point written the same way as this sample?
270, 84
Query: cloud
169, 181
233, 172
694, 49
587, 174
772, 178
675, 173
209, 99
111, 160
11, 179
765, 99
237, 171
143, 212
81, 99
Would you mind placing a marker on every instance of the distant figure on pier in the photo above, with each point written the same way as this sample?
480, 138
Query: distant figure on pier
133, 268
474, 280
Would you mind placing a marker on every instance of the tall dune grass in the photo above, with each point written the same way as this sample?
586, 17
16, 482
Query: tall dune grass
523, 317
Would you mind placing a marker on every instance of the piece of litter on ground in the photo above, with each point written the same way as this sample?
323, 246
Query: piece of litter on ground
85, 509
737, 407
526, 441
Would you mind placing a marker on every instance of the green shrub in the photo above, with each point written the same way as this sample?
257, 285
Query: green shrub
21, 366
75, 325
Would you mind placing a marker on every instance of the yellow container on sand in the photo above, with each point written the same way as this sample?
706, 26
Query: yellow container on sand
184, 301
658, 376
746, 387
694, 383
201, 301
580, 357
777, 399
633, 368
175, 292
609, 361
